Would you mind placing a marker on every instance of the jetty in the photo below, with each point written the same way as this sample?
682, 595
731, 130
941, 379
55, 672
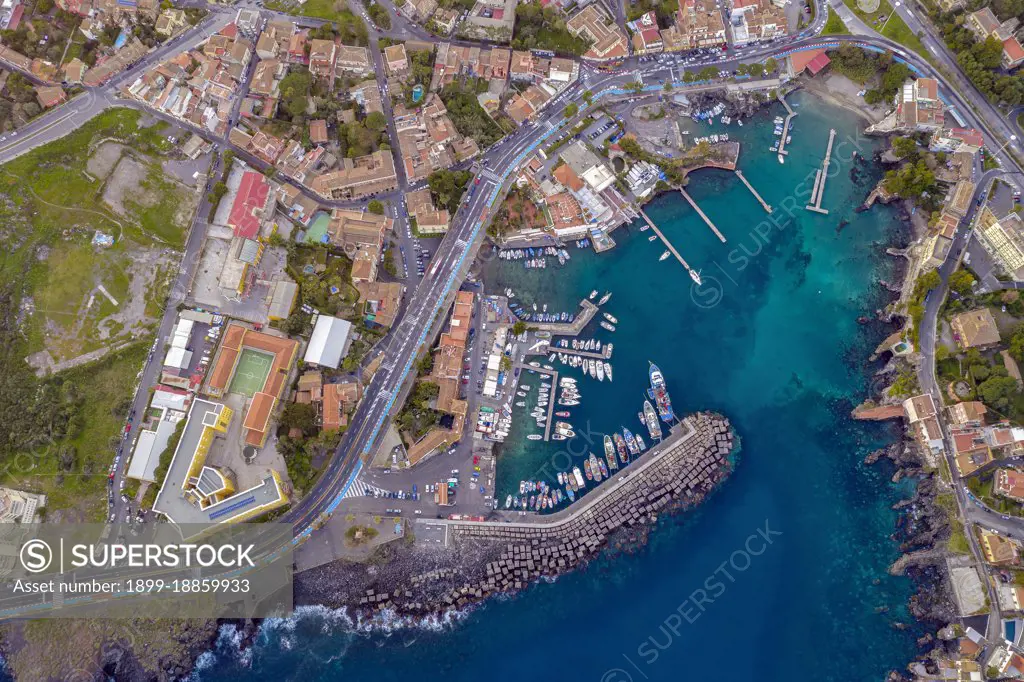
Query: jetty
702, 215
785, 126
586, 314
502, 557
663, 238
553, 373
764, 204
820, 177
684, 463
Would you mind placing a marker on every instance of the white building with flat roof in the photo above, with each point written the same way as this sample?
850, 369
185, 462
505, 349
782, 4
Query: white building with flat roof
328, 343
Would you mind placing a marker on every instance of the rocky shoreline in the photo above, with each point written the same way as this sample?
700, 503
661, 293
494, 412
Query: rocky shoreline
922, 533
408, 584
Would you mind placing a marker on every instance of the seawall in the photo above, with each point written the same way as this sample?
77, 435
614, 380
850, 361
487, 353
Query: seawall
455, 563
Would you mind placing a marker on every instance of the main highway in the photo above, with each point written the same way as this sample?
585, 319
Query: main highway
495, 168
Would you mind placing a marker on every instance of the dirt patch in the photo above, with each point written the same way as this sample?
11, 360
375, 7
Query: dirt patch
104, 159
125, 184
841, 91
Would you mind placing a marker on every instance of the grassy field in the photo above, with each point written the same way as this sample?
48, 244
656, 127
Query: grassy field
58, 435
57, 207
834, 25
872, 19
896, 29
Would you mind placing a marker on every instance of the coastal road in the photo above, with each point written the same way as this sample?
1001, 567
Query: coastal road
456, 252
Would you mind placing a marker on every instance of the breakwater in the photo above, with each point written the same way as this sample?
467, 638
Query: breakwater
496, 556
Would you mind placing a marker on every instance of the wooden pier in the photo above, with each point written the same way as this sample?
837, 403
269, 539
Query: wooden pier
785, 126
764, 204
668, 244
702, 215
551, 398
819, 178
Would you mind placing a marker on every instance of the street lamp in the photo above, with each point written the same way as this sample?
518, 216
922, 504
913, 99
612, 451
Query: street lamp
1013, 138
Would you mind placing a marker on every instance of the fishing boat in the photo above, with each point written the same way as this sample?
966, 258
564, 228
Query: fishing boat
534, 436
586, 470
608, 326
651, 420
571, 494
595, 467
604, 299
630, 439
604, 468
609, 452
659, 393
620, 445
608, 370
664, 256
611, 318
695, 276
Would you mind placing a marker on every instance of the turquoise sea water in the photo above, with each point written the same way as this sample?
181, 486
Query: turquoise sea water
772, 341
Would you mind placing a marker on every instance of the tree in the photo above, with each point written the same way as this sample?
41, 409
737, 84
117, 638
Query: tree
375, 206
588, 97
295, 93
375, 121
771, 65
998, 392
518, 328
961, 282
904, 147
571, 110
926, 282
300, 416
1017, 343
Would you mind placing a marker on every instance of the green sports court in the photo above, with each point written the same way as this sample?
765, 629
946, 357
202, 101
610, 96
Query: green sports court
251, 372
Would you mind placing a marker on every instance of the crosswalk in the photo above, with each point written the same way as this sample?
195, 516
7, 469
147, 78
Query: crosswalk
489, 174
360, 488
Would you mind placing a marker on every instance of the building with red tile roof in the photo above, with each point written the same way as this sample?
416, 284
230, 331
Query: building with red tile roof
253, 203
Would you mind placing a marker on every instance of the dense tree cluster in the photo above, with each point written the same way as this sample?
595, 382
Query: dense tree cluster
539, 27
980, 60
447, 186
468, 117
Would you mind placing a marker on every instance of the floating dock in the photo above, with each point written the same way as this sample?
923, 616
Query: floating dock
554, 392
668, 244
785, 126
764, 204
819, 178
702, 215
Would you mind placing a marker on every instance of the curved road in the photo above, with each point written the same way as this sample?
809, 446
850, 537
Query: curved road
457, 250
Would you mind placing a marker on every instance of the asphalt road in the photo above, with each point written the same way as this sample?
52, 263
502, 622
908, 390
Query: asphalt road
428, 300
